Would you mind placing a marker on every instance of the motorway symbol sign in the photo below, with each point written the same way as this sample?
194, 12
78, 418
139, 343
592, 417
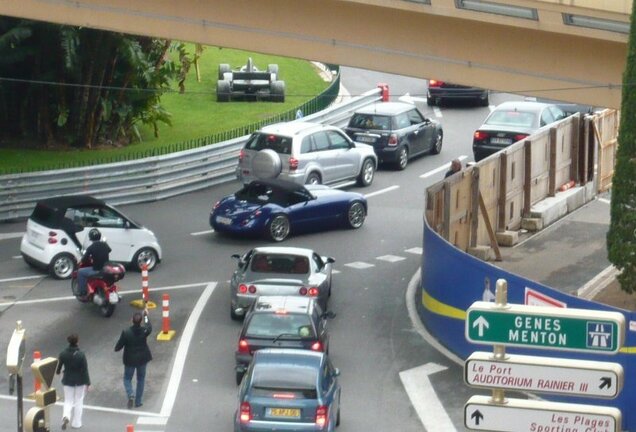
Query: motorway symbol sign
545, 327
521, 415
544, 374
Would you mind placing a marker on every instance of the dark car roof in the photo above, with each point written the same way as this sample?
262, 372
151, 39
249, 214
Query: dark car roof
385, 108
63, 202
279, 184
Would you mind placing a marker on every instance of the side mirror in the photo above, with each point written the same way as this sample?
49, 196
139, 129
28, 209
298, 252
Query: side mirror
237, 256
126, 223
330, 260
328, 315
336, 372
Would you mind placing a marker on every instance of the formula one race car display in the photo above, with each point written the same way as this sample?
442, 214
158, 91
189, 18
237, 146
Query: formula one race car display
249, 83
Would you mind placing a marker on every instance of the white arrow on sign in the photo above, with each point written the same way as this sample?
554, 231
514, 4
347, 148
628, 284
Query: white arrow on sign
544, 374
482, 323
521, 415
424, 399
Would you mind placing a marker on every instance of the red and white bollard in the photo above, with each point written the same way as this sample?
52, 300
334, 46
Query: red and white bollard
144, 282
37, 385
166, 333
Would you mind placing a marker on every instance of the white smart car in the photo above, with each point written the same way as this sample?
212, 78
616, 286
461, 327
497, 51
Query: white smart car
49, 240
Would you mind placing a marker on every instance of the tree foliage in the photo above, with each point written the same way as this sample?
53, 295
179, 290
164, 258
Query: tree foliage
79, 86
621, 238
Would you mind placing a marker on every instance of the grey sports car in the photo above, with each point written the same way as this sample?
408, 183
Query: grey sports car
279, 271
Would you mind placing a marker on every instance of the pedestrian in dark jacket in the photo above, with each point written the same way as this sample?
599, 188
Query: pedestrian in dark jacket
136, 356
76, 382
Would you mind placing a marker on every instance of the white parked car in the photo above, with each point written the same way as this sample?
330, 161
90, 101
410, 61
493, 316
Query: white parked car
306, 153
48, 242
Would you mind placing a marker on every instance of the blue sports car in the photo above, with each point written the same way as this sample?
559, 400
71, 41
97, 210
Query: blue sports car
277, 208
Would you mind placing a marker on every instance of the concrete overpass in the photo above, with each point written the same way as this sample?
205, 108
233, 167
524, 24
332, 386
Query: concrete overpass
563, 49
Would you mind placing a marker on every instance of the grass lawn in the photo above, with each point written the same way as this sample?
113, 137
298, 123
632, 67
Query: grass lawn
195, 114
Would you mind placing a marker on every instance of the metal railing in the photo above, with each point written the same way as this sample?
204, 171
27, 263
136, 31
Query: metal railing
155, 177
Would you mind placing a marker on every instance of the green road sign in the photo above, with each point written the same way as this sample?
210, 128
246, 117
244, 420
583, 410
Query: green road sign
545, 327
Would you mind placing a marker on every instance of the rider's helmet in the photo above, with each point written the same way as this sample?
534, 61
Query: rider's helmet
94, 235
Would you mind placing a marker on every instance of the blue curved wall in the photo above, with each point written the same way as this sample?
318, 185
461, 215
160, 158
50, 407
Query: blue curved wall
452, 280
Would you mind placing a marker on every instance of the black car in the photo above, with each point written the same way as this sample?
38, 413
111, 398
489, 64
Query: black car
510, 122
281, 322
397, 131
439, 91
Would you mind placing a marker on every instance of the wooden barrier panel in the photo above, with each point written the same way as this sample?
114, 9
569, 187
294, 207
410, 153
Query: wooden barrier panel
502, 188
605, 125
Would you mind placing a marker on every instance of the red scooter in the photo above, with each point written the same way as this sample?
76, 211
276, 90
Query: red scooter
101, 288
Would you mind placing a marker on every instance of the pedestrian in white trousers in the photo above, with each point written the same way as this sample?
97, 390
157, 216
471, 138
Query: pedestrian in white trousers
75, 380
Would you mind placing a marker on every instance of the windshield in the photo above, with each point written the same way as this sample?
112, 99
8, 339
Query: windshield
370, 121
276, 324
512, 118
280, 144
280, 263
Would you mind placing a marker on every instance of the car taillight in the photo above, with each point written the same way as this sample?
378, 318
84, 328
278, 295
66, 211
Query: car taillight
241, 155
251, 289
435, 83
316, 346
246, 412
293, 164
480, 136
393, 140
52, 237
284, 396
321, 416
302, 291
519, 137
242, 288
313, 292
243, 346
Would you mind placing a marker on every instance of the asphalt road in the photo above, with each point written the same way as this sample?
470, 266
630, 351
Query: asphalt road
190, 384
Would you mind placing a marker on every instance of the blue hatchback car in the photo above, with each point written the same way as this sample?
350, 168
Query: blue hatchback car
278, 208
288, 390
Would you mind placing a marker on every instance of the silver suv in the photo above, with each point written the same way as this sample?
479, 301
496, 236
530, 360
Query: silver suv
306, 153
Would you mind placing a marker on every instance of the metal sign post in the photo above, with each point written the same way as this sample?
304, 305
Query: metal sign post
15, 359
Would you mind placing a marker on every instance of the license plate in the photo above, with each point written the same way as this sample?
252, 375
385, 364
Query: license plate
495, 140
284, 412
366, 139
223, 220
113, 297
34, 235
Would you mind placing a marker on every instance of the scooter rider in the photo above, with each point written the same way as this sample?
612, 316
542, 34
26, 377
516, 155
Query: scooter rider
99, 252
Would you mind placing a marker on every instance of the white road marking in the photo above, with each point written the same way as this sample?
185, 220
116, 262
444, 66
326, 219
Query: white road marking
406, 99
7, 236
381, 191
438, 112
415, 250
424, 399
202, 232
359, 265
64, 298
16, 257
604, 200
22, 278
334, 271
182, 351
133, 413
390, 258
152, 421
442, 168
